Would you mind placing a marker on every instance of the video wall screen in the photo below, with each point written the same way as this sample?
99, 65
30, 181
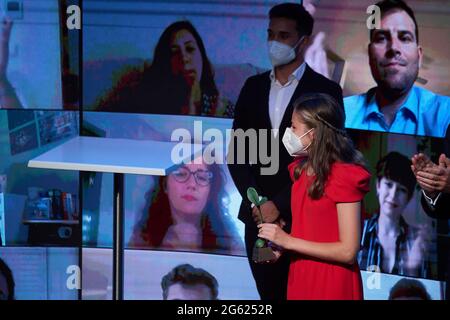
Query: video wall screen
153, 204
393, 287
164, 212
394, 203
38, 206
30, 60
152, 67
168, 275
39, 273
145, 269
136, 85
133, 52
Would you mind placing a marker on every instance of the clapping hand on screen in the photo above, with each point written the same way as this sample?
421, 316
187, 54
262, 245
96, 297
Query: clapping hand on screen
420, 162
416, 253
432, 178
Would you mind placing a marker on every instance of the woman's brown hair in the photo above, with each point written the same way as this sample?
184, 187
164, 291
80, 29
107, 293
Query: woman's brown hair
330, 144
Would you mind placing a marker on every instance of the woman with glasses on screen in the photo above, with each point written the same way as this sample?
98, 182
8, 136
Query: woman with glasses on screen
187, 212
180, 80
387, 243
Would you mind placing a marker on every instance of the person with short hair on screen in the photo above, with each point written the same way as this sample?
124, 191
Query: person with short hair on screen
185, 282
387, 242
330, 180
396, 104
8, 96
187, 212
409, 289
7, 284
266, 103
179, 80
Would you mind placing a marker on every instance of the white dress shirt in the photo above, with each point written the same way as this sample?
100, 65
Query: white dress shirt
280, 95
430, 201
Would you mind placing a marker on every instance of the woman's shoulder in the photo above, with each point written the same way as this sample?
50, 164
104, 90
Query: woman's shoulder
349, 171
347, 182
349, 174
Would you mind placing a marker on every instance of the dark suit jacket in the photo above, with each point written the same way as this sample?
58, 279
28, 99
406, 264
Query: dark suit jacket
442, 208
252, 112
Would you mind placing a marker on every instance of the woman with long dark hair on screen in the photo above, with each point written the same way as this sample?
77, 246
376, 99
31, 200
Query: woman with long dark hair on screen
329, 181
180, 79
187, 212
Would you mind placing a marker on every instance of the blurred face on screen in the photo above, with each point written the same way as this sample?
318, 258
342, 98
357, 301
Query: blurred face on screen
394, 53
186, 56
392, 196
179, 291
4, 293
188, 189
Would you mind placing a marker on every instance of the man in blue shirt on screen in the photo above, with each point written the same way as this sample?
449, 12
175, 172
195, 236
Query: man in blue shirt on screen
396, 105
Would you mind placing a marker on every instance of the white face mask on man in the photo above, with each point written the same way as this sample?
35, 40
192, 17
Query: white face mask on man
280, 53
293, 144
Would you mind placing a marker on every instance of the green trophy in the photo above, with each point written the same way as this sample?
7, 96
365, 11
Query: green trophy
262, 252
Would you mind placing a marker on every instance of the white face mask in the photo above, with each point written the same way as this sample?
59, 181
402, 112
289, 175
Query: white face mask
293, 144
280, 53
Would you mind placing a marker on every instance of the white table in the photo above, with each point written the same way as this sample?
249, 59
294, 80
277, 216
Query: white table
117, 156
112, 155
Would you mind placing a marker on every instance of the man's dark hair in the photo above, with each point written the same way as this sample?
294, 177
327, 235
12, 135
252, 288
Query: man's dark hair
388, 5
294, 11
7, 273
397, 167
409, 288
187, 275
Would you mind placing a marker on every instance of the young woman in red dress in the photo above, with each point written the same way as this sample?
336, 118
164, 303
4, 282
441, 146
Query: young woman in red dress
329, 181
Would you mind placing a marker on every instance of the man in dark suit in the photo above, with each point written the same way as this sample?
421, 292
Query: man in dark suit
434, 179
266, 102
